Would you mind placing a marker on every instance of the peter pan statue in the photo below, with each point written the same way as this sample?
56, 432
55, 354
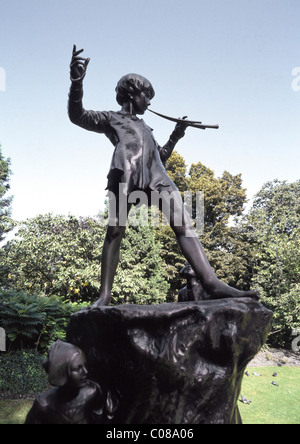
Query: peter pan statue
138, 164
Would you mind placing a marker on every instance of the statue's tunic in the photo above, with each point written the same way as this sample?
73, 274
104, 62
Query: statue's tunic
137, 159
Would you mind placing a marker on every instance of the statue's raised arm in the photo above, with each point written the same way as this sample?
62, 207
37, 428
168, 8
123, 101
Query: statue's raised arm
78, 65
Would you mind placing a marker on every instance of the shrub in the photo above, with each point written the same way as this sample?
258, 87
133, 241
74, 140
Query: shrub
22, 374
33, 321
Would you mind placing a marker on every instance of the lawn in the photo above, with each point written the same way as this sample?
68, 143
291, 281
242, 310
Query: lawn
269, 404
14, 411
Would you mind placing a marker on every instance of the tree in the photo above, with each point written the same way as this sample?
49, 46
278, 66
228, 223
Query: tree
58, 255
224, 241
274, 229
5, 201
140, 277
172, 258
177, 171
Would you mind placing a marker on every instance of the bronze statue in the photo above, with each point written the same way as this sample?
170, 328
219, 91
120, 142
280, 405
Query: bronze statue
137, 163
193, 291
73, 399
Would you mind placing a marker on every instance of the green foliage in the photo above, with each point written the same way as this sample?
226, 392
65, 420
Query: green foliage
173, 261
22, 374
286, 308
62, 255
6, 223
225, 243
274, 230
33, 321
140, 276
56, 255
224, 196
177, 168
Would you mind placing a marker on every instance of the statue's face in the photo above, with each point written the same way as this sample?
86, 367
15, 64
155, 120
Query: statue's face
141, 101
78, 372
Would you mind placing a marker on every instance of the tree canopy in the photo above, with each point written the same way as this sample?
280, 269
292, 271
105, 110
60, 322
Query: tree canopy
60, 255
274, 230
5, 200
224, 242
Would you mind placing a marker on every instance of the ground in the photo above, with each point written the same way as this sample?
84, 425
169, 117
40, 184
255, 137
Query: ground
271, 384
270, 395
271, 357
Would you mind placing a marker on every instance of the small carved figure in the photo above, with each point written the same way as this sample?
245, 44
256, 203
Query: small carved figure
73, 399
193, 291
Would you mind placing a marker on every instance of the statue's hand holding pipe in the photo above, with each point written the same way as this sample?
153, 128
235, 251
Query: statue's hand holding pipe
180, 128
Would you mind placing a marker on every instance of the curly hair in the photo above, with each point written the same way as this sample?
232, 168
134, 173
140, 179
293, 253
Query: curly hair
130, 84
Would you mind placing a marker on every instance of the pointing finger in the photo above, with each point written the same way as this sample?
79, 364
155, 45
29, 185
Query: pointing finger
75, 52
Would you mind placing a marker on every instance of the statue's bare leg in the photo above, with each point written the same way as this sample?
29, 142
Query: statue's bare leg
193, 251
111, 251
110, 260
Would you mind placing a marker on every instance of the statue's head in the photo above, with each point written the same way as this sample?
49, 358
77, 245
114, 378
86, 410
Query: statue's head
66, 365
187, 271
136, 89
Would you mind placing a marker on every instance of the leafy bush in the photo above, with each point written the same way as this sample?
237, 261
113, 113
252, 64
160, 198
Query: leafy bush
140, 276
61, 255
286, 316
22, 374
55, 255
274, 228
33, 321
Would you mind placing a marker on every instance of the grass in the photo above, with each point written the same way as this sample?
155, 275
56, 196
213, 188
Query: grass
14, 411
269, 404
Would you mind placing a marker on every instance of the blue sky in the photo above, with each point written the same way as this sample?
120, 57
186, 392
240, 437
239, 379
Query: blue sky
219, 61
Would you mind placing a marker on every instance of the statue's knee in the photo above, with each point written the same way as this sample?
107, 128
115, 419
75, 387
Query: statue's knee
184, 230
114, 233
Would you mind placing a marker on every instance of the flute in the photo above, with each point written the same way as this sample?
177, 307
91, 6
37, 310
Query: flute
191, 123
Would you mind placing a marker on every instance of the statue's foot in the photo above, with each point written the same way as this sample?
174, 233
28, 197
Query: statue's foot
103, 301
223, 291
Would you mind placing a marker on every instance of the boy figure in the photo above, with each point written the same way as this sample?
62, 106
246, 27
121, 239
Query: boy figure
137, 163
